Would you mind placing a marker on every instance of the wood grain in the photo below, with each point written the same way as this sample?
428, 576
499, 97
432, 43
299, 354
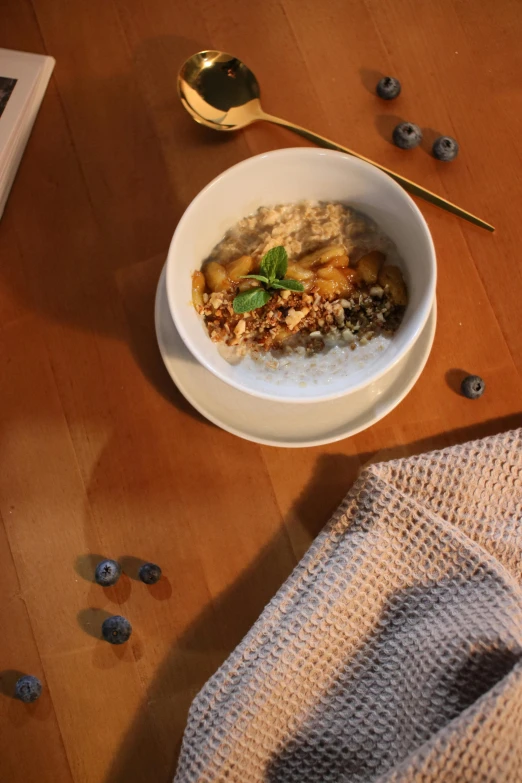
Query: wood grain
99, 453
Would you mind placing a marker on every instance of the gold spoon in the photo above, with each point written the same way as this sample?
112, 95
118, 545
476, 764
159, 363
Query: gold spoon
219, 91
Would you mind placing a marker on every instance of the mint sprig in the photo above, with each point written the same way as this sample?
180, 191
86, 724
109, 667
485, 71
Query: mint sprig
289, 284
274, 263
250, 300
273, 270
261, 278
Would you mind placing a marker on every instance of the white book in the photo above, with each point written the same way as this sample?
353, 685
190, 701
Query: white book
23, 80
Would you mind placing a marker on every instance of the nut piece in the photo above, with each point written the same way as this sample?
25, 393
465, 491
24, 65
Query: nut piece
240, 327
216, 300
338, 311
295, 316
348, 336
285, 293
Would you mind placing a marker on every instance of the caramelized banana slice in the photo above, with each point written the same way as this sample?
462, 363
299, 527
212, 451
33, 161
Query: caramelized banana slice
391, 279
370, 265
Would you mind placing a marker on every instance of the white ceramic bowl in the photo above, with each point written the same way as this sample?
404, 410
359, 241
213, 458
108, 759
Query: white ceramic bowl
286, 176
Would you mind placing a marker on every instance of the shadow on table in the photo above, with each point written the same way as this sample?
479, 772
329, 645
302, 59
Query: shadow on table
200, 650
144, 755
428, 137
385, 124
454, 378
444, 440
137, 288
216, 632
118, 213
369, 79
8, 680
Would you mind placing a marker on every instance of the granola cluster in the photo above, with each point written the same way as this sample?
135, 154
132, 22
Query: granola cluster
293, 320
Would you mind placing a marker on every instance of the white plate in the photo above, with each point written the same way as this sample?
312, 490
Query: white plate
281, 423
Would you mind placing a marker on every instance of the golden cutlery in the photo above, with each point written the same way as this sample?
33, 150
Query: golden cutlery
219, 91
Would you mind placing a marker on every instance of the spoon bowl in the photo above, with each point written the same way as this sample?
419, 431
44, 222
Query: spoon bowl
221, 92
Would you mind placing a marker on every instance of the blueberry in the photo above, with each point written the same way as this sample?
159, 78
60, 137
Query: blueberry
150, 573
107, 573
388, 88
472, 387
406, 135
28, 688
116, 629
445, 148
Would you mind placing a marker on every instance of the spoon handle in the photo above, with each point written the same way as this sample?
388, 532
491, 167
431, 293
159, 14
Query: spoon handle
407, 184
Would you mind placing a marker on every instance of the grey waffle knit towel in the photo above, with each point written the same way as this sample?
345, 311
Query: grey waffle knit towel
393, 652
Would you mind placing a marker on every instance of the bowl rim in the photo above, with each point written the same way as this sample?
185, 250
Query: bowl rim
425, 307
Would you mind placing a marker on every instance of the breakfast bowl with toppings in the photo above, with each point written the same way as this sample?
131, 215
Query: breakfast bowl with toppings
301, 275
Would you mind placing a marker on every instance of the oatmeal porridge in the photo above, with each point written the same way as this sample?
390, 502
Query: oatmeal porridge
300, 279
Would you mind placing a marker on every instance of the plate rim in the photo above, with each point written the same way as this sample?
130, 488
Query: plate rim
431, 323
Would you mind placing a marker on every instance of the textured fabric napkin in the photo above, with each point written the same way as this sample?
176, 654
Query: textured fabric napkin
393, 652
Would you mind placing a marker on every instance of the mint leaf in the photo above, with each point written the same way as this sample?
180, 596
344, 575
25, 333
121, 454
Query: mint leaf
250, 300
274, 263
290, 285
261, 278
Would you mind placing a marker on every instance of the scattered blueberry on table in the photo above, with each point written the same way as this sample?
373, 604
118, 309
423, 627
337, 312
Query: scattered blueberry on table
150, 573
388, 88
28, 688
107, 573
445, 148
472, 387
407, 135
116, 629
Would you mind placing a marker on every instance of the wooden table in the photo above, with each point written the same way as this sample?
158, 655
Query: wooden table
99, 454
